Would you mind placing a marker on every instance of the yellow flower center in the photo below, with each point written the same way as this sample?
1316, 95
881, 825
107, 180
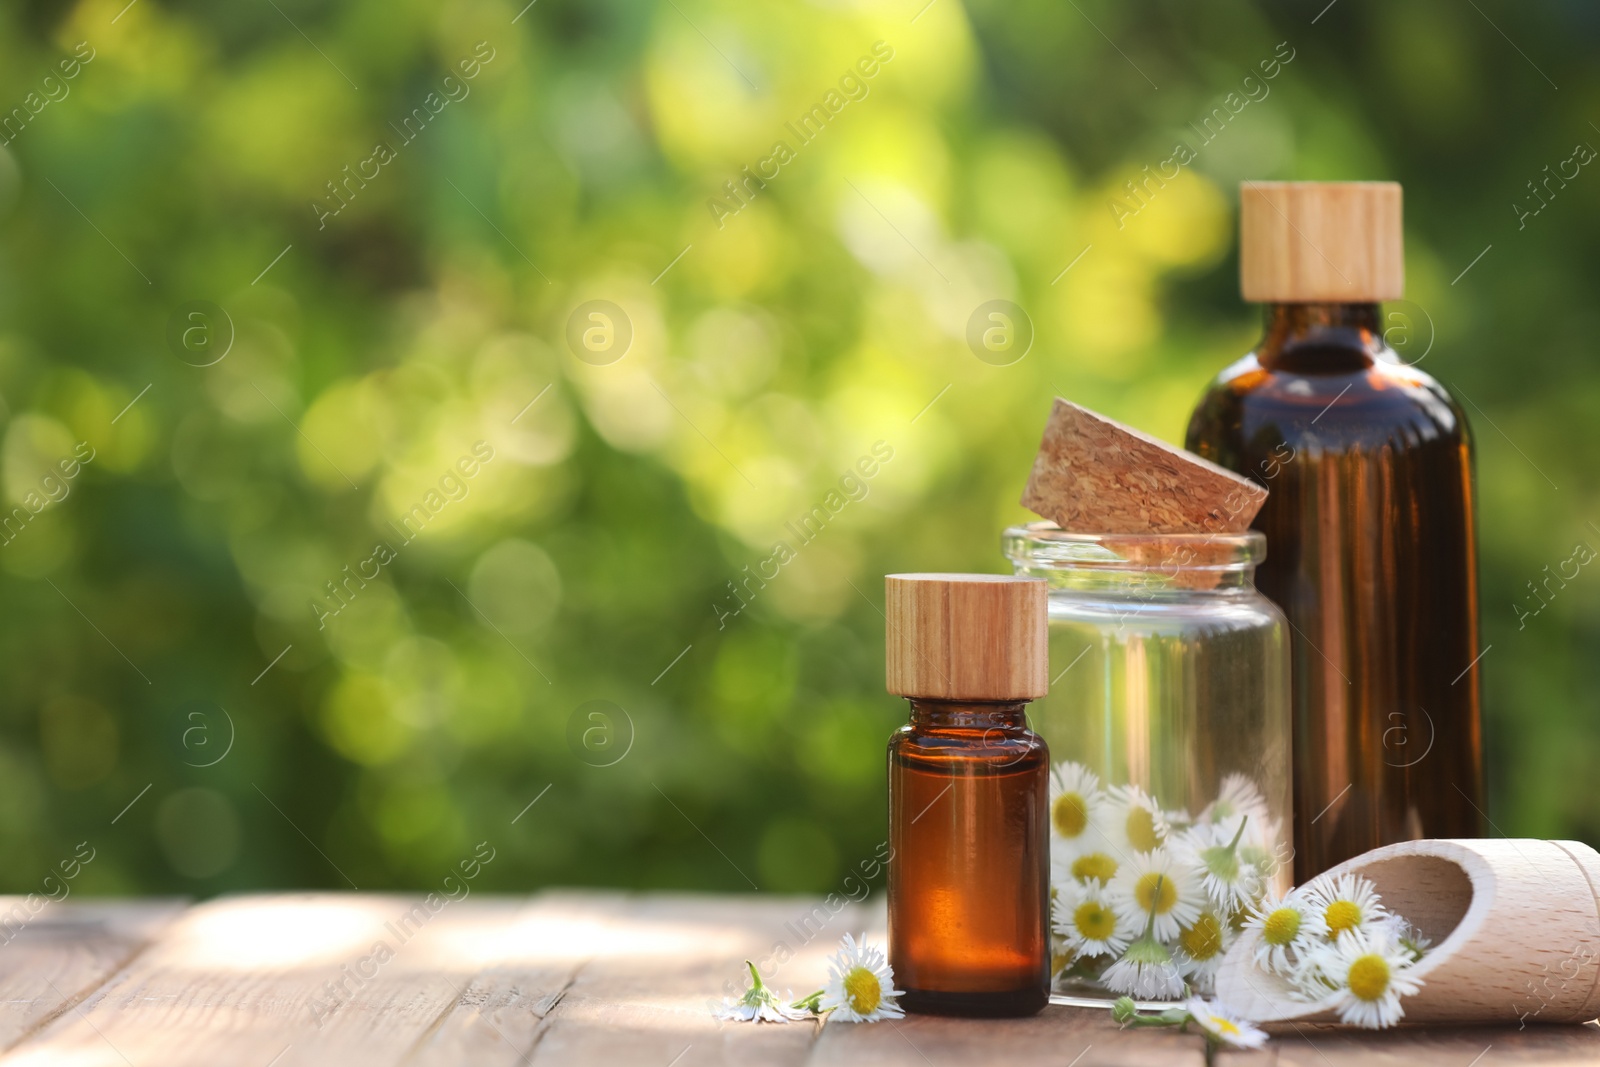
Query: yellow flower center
1141, 827
1070, 814
1203, 940
1342, 915
1369, 977
1224, 1026
1095, 922
862, 990
1281, 926
1060, 961
1094, 865
1155, 892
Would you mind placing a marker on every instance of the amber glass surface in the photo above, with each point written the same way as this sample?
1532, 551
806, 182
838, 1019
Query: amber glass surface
1372, 556
969, 873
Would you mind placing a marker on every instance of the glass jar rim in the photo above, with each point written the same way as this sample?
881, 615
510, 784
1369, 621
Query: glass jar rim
1045, 545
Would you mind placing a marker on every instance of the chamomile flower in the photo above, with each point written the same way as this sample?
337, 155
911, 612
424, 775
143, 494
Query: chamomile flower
1075, 797
759, 1004
1132, 821
1369, 971
1087, 923
1348, 902
1224, 1027
1089, 859
1268, 853
1213, 849
1158, 886
1290, 930
1200, 946
860, 985
1238, 798
1146, 970
1411, 939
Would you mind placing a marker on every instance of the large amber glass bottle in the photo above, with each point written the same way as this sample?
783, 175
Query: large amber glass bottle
1370, 526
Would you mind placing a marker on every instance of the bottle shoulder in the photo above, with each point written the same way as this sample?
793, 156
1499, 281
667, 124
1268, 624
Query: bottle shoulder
1304, 404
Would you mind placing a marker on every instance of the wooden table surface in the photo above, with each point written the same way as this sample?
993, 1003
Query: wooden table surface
562, 977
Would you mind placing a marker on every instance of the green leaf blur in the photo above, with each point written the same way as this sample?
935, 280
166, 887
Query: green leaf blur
214, 675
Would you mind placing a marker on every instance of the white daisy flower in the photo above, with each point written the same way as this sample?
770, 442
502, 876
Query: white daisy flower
1411, 939
1348, 902
1290, 930
1224, 1027
1238, 797
1230, 881
860, 985
1159, 887
1132, 821
1075, 798
1087, 923
1268, 853
1200, 947
1146, 970
759, 1004
1089, 859
1370, 971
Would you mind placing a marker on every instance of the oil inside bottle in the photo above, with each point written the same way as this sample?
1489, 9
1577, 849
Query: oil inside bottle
1371, 554
968, 882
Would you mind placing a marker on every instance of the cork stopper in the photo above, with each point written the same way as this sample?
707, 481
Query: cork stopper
1307, 242
966, 636
1095, 475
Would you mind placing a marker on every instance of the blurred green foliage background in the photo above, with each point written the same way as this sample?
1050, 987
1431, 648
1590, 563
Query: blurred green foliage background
771, 347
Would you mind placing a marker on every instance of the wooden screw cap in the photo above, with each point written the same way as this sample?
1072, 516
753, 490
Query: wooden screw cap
966, 636
1304, 242
1095, 475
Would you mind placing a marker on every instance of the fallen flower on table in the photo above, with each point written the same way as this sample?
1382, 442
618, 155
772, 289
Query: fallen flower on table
1224, 1026
860, 985
860, 989
1221, 1027
759, 1004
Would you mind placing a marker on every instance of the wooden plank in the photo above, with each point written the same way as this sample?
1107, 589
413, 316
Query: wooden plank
1305, 1045
501, 1013
51, 958
1055, 1037
287, 980
562, 978
662, 961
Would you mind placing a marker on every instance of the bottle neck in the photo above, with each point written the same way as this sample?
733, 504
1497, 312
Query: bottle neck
978, 715
1321, 337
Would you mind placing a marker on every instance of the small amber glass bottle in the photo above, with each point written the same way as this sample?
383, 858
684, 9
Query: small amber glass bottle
969, 871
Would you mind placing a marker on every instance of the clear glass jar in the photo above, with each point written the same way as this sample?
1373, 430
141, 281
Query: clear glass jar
1168, 719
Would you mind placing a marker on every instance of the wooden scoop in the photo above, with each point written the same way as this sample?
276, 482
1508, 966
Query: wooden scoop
1515, 926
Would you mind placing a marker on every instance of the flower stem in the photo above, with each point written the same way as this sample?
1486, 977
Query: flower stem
1155, 897
813, 1003
1126, 1012
1234, 844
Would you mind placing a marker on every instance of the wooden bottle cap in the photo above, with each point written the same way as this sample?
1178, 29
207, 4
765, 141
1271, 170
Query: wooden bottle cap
1094, 475
966, 636
1305, 242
